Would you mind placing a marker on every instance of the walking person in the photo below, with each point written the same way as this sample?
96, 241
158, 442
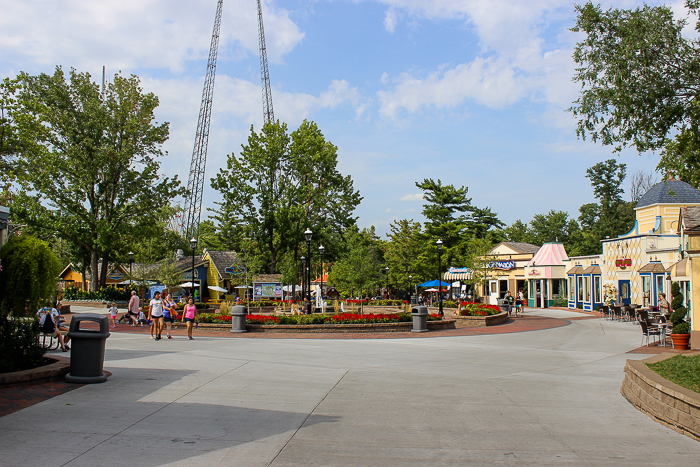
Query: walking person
168, 314
155, 314
133, 308
113, 314
189, 316
509, 301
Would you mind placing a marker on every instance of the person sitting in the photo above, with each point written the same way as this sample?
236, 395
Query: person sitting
49, 326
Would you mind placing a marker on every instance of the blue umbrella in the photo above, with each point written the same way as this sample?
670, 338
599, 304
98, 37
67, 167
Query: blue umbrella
434, 283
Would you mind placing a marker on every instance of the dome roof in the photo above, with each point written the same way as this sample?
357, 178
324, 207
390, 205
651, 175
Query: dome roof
670, 192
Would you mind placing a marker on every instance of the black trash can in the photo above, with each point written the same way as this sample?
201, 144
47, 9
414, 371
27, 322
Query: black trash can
238, 317
420, 318
414, 300
87, 349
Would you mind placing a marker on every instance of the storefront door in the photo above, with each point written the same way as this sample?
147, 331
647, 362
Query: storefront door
494, 293
624, 293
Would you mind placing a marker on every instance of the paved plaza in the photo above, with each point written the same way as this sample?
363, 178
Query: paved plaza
543, 397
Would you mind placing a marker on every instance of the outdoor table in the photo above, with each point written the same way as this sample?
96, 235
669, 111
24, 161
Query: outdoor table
662, 328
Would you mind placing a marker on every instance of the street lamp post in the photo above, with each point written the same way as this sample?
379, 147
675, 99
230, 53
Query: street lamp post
387, 282
131, 260
410, 287
193, 245
439, 252
303, 277
321, 249
307, 235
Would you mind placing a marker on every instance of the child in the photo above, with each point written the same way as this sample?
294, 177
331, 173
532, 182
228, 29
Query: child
142, 317
113, 314
518, 307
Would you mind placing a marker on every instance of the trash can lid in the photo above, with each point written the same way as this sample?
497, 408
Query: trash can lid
419, 310
102, 320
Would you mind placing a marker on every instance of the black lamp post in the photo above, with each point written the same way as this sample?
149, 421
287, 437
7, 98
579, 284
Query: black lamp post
303, 277
307, 235
131, 260
321, 249
193, 245
387, 282
410, 286
439, 251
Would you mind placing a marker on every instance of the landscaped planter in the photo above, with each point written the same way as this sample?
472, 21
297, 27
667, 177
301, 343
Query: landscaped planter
330, 328
478, 321
54, 371
680, 341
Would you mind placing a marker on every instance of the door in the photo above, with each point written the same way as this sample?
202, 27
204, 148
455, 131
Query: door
493, 295
624, 293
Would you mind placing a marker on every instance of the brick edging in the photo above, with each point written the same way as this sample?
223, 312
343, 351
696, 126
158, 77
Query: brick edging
668, 403
51, 372
480, 321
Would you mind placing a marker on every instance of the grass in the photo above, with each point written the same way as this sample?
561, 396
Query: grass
684, 371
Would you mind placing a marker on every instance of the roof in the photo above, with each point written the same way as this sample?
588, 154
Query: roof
223, 259
575, 270
550, 254
655, 267
185, 264
691, 218
592, 269
521, 247
670, 192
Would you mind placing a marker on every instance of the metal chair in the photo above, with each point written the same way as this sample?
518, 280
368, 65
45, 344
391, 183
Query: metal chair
648, 331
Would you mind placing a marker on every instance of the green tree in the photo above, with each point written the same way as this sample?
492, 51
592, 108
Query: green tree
444, 209
405, 254
28, 277
518, 232
358, 271
87, 165
639, 84
550, 227
282, 184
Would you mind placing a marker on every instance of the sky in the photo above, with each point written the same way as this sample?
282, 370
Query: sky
471, 92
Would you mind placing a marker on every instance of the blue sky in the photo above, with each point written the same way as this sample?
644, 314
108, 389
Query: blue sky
471, 92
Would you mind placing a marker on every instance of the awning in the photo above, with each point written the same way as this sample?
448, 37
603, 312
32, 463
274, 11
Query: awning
681, 270
457, 276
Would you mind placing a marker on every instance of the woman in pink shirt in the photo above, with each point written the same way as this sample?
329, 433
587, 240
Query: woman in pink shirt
189, 315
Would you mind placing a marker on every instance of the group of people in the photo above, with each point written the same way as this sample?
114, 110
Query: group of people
50, 322
162, 312
518, 302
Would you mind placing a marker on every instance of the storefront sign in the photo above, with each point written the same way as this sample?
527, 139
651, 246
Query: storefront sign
505, 265
458, 270
116, 276
623, 263
534, 272
235, 270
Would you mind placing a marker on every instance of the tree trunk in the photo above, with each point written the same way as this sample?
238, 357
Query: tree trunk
94, 271
105, 269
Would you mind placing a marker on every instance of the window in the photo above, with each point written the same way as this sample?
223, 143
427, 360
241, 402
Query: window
494, 287
587, 288
572, 289
596, 287
531, 289
646, 284
580, 288
659, 284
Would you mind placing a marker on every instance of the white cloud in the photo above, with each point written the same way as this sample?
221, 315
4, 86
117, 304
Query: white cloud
130, 34
391, 19
412, 197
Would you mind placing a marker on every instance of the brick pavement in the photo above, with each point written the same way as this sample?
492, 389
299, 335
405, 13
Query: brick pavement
16, 398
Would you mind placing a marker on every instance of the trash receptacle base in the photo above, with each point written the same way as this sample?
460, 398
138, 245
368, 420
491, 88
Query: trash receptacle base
86, 379
419, 330
239, 330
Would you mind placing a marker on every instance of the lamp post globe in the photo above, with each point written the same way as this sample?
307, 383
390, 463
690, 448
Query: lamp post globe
193, 245
131, 260
439, 251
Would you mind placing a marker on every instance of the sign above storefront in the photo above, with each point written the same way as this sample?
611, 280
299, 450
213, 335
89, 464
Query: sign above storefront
459, 270
534, 272
504, 265
235, 270
623, 263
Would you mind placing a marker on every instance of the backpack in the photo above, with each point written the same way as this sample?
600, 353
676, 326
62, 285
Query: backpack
48, 326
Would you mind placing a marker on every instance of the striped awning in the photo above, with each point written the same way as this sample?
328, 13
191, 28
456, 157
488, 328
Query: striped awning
681, 269
457, 276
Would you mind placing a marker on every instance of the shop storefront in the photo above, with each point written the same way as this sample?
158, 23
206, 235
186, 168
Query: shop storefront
546, 276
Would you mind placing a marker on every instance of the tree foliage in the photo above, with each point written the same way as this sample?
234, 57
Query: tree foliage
358, 271
87, 165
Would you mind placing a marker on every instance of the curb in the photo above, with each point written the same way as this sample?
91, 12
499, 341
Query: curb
327, 328
42, 374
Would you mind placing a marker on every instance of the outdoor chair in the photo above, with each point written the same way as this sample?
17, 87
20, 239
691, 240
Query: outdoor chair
648, 331
642, 315
604, 310
630, 314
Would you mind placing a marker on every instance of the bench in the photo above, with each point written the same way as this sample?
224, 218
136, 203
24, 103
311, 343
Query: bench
53, 340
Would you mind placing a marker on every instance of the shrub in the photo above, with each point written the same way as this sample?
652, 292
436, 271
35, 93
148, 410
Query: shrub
677, 301
478, 309
678, 320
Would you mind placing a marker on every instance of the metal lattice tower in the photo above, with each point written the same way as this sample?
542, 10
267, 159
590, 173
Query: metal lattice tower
268, 113
195, 184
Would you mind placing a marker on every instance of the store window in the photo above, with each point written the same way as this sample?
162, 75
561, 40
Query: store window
587, 288
580, 288
572, 289
596, 287
531, 289
659, 284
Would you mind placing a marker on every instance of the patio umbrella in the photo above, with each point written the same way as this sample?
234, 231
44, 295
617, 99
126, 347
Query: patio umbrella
187, 285
431, 290
217, 288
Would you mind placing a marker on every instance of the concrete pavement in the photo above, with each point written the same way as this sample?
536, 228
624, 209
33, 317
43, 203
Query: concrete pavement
548, 397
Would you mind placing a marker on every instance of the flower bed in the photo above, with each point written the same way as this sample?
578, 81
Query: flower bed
341, 318
477, 309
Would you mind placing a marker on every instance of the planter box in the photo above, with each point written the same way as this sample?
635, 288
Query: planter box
52, 372
479, 321
329, 328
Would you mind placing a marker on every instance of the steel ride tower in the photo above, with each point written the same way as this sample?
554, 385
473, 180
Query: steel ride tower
268, 113
195, 183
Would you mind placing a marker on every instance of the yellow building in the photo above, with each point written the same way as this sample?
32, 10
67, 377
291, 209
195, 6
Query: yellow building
223, 271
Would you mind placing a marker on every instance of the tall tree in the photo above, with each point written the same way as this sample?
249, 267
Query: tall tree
405, 254
639, 83
613, 216
87, 166
358, 272
282, 184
